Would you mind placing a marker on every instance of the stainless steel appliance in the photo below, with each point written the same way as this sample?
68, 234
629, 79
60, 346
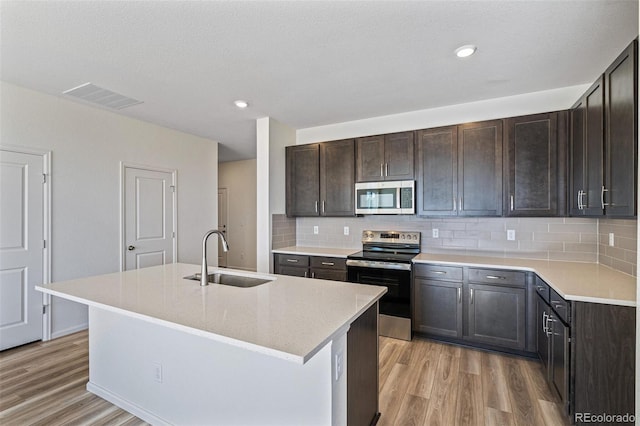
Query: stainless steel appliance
389, 197
385, 260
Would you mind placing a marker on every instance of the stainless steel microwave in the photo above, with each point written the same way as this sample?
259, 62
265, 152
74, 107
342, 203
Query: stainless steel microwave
389, 197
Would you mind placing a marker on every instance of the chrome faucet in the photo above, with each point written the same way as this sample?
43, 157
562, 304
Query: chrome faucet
204, 273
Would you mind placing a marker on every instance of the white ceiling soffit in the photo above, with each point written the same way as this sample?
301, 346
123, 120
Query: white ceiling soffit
91, 93
305, 63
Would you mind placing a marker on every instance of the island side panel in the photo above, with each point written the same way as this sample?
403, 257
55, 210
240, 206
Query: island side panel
165, 376
362, 369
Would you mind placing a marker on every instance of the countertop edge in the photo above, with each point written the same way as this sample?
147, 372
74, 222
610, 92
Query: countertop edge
315, 251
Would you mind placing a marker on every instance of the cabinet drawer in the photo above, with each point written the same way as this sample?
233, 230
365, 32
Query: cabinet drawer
293, 260
497, 277
542, 289
336, 263
293, 271
560, 306
329, 274
438, 272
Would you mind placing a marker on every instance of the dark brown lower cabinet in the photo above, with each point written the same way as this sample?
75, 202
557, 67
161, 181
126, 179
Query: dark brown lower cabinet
603, 361
362, 369
320, 267
438, 307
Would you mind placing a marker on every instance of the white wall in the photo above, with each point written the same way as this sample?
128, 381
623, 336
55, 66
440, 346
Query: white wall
511, 106
87, 146
271, 139
239, 178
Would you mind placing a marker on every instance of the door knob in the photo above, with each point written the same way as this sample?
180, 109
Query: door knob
131, 248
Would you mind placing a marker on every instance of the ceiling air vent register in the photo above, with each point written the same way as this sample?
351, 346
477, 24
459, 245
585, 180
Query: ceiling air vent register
91, 93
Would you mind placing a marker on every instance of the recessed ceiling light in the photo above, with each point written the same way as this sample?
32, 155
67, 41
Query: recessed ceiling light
241, 104
465, 51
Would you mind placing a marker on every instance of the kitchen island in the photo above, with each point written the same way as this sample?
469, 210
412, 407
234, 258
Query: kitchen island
172, 352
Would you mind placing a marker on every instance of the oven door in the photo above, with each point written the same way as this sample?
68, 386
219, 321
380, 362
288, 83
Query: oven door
397, 301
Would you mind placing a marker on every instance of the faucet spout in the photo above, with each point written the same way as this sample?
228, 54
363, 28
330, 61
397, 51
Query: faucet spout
204, 273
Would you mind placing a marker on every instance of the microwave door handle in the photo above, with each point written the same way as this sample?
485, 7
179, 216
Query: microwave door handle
398, 195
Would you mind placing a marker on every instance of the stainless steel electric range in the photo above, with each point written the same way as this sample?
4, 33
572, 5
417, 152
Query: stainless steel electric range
385, 260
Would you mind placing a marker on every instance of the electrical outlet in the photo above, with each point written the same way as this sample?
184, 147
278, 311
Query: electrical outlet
435, 233
346, 230
511, 234
612, 240
157, 372
339, 365
315, 230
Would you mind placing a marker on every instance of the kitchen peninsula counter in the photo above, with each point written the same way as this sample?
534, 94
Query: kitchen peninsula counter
172, 352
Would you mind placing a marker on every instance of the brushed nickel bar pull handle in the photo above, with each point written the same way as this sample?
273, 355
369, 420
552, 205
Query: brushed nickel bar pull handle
471, 296
316, 206
602, 197
313, 275
328, 263
544, 322
539, 287
439, 272
323, 206
512, 203
460, 204
305, 274
386, 169
459, 295
381, 170
292, 260
495, 277
455, 206
549, 329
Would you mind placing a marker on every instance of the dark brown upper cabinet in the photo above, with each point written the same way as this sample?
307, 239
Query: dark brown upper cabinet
320, 179
437, 171
385, 157
480, 169
604, 131
460, 170
621, 134
587, 137
535, 164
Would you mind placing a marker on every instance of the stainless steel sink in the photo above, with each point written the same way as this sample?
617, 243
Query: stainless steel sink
232, 280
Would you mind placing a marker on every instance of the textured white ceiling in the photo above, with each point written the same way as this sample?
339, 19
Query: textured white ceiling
305, 63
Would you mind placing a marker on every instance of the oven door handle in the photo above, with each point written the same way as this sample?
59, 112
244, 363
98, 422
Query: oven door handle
378, 265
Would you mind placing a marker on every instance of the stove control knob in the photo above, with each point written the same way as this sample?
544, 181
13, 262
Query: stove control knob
402, 236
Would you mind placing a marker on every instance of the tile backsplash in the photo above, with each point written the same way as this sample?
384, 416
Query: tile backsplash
572, 239
623, 254
283, 231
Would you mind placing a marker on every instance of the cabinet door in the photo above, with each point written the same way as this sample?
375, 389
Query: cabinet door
293, 271
328, 274
480, 169
542, 315
496, 315
560, 353
437, 174
370, 159
577, 158
532, 171
594, 134
621, 134
302, 180
337, 178
438, 307
398, 156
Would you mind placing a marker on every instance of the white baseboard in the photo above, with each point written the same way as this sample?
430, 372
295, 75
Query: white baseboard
126, 405
69, 330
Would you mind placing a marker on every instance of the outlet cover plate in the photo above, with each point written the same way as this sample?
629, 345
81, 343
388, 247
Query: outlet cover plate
511, 234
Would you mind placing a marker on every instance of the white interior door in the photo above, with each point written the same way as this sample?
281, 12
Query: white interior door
21, 248
222, 225
148, 217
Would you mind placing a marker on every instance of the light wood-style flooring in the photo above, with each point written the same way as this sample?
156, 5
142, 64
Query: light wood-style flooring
422, 383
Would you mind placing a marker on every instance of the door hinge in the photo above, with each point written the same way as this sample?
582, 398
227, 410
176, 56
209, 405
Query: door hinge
44, 244
173, 188
44, 309
44, 178
173, 234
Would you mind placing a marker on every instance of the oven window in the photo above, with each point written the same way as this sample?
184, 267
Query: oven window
384, 198
397, 300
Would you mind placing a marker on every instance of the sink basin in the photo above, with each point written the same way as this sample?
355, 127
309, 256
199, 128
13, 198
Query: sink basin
232, 280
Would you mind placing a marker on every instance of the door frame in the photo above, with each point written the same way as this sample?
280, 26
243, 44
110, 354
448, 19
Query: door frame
46, 227
226, 214
174, 182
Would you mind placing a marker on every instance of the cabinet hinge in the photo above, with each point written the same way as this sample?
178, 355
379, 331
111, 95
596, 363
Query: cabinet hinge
44, 178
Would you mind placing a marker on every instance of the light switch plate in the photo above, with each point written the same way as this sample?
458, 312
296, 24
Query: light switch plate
511, 234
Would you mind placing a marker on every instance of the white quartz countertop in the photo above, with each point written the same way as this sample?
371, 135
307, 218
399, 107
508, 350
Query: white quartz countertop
316, 251
579, 281
290, 317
